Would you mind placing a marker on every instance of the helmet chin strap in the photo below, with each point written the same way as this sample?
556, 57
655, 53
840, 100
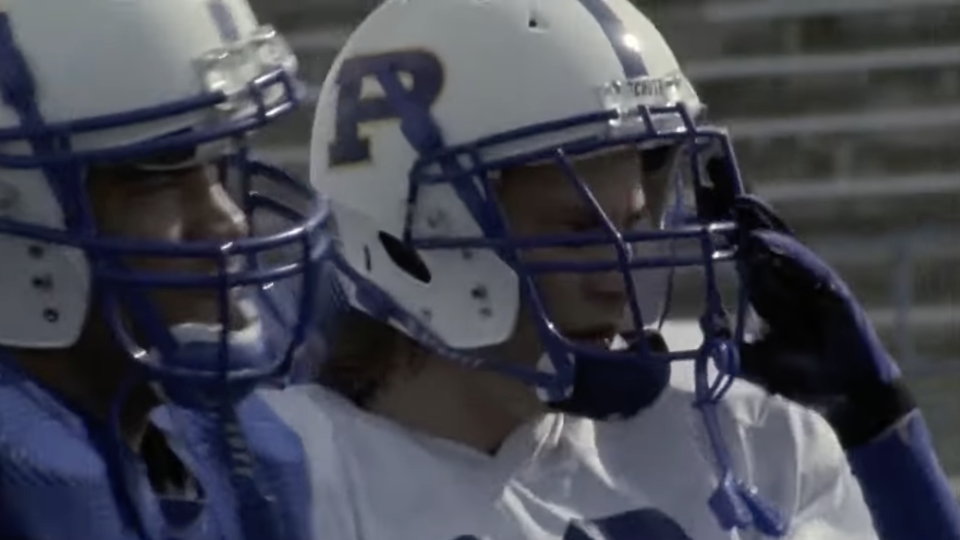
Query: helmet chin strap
610, 390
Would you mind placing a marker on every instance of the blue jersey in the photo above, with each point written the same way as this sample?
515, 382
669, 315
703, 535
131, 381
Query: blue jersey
61, 477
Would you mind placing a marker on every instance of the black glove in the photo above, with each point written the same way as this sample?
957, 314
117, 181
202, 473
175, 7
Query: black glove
817, 346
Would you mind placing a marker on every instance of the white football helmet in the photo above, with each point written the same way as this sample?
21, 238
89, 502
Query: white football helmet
103, 82
430, 99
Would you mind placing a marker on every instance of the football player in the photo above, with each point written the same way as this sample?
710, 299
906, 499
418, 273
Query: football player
506, 178
132, 323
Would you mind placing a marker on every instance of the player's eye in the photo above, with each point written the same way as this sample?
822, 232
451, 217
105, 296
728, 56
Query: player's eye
583, 224
638, 220
655, 159
142, 183
181, 158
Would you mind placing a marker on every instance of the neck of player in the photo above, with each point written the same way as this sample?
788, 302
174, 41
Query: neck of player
478, 409
89, 380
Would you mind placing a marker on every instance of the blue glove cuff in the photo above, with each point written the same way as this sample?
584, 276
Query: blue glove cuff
869, 409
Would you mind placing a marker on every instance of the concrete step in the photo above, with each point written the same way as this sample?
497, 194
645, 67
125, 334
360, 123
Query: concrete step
824, 156
933, 281
785, 97
937, 346
293, 15
924, 25
873, 216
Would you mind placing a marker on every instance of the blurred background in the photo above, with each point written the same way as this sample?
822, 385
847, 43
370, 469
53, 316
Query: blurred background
845, 115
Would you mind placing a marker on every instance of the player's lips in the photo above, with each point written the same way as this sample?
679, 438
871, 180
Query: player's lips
600, 334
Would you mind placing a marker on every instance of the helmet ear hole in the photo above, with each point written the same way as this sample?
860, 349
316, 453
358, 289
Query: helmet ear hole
405, 257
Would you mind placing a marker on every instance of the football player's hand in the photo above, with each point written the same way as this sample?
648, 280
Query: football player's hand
817, 346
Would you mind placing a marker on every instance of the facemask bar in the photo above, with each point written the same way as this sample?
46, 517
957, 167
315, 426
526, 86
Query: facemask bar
248, 85
445, 167
736, 504
304, 237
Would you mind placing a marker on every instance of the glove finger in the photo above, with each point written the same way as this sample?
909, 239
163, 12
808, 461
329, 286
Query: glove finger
715, 199
788, 286
780, 371
787, 371
791, 260
771, 280
751, 214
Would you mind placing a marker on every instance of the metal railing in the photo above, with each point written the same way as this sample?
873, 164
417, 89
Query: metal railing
878, 121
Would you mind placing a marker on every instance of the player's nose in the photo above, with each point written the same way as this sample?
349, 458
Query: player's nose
609, 286
213, 215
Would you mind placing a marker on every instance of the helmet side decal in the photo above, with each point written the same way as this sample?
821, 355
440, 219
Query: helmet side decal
408, 104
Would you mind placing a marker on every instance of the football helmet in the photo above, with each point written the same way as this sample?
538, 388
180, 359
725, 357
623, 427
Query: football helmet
92, 82
430, 100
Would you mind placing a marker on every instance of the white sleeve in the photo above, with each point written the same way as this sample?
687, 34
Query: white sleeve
796, 462
331, 517
830, 505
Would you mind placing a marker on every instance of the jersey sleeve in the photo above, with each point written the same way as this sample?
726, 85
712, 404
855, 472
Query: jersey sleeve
830, 504
905, 486
299, 408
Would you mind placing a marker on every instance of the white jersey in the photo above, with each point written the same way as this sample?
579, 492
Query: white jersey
561, 477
